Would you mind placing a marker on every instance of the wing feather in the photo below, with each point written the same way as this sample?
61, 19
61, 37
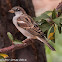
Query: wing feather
29, 22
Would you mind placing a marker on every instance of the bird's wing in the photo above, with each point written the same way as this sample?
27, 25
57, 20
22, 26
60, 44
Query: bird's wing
28, 24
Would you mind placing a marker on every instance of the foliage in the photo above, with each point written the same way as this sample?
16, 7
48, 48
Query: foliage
49, 22
3, 56
15, 41
10, 36
57, 55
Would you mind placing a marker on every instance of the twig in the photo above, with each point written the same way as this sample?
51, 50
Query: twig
17, 46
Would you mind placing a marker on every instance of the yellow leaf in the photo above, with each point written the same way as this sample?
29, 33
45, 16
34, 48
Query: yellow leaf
50, 35
49, 14
51, 38
4, 55
54, 29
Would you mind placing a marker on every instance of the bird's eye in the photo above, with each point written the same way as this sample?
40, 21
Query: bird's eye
17, 9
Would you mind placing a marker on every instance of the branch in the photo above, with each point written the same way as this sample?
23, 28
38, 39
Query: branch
17, 46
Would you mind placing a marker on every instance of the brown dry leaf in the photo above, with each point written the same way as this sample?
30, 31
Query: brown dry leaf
54, 29
51, 36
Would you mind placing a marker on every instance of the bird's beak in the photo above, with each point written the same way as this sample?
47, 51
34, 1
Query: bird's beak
11, 11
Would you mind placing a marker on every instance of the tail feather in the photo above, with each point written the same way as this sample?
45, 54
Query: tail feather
45, 42
51, 47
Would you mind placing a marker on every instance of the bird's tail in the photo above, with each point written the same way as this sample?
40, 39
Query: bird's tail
45, 42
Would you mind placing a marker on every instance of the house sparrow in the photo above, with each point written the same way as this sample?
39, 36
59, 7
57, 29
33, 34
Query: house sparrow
27, 26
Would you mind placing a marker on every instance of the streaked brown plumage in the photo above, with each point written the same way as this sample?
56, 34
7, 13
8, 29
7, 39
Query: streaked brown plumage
27, 26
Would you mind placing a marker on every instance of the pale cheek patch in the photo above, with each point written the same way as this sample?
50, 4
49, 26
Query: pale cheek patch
20, 21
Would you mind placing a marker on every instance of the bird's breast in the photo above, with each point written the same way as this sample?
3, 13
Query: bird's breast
25, 32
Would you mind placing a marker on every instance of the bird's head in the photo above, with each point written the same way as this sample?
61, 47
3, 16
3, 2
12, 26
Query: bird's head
17, 10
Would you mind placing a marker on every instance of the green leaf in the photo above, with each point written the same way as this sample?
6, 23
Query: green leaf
54, 14
44, 26
1, 57
17, 41
10, 36
49, 13
49, 31
58, 20
44, 16
58, 40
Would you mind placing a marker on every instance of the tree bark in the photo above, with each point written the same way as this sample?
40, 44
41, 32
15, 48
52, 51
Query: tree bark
34, 52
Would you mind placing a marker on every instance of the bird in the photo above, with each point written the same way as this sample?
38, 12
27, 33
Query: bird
27, 26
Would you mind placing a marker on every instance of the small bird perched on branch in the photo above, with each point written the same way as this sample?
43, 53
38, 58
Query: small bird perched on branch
27, 26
